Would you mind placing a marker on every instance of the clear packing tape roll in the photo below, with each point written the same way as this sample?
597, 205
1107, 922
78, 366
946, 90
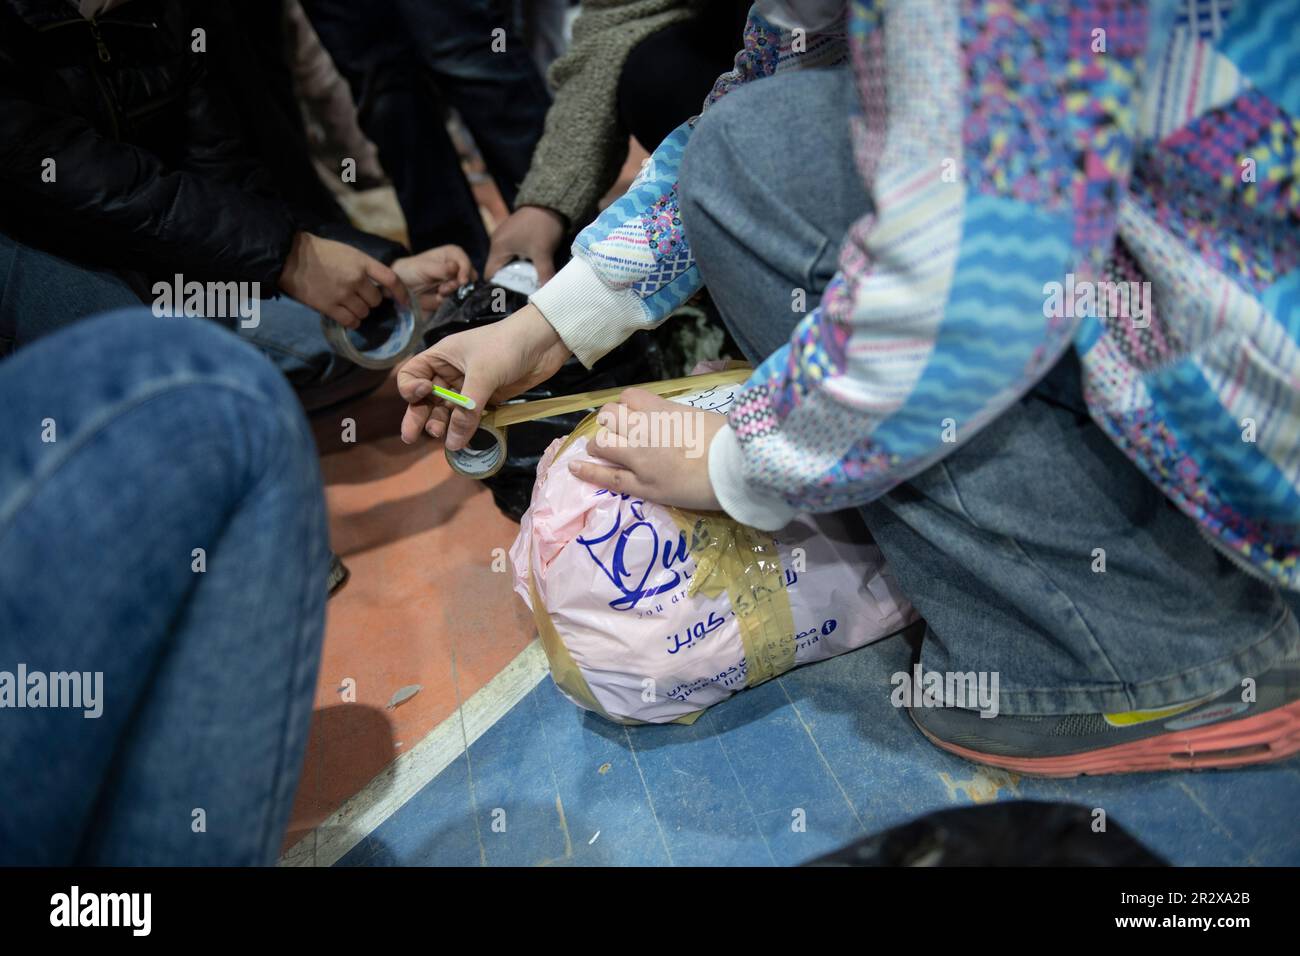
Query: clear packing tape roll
486, 451
391, 340
368, 347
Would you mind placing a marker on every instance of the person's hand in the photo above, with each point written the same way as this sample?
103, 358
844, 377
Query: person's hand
434, 274
488, 364
336, 280
656, 450
530, 232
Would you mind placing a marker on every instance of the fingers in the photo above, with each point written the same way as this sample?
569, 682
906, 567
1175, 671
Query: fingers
414, 421
387, 278
618, 480
497, 258
343, 317
461, 427
429, 302
609, 437
614, 448
609, 418
639, 400
425, 413
415, 377
440, 411
464, 421
460, 259
355, 304
369, 292
545, 266
436, 426
415, 385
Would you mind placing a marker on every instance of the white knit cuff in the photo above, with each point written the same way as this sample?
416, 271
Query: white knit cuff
588, 315
749, 505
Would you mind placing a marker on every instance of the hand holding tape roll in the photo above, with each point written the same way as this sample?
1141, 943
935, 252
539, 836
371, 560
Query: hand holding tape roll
383, 340
486, 451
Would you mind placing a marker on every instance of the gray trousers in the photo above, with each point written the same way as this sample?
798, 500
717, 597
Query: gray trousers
994, 544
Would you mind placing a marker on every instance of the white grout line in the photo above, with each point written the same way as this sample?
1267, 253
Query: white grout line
402, 779
650, 801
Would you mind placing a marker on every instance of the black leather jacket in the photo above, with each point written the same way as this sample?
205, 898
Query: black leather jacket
150, 175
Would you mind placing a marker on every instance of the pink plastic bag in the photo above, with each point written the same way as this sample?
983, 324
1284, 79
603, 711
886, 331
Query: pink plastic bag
630, 638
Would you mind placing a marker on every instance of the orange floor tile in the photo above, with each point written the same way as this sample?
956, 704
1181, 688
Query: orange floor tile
422, 607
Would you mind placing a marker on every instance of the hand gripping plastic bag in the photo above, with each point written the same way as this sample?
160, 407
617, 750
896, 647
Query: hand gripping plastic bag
650, 614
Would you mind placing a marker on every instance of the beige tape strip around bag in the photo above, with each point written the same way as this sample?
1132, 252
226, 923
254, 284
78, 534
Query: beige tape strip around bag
744, 562
729, 556
486, 451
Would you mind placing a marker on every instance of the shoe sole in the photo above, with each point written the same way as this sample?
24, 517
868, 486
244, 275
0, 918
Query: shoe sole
1264, 738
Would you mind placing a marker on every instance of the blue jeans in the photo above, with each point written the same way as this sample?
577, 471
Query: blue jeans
168, 437
41, 293
994, 545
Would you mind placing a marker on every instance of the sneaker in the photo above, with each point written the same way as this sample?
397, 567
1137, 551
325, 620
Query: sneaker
1212, 733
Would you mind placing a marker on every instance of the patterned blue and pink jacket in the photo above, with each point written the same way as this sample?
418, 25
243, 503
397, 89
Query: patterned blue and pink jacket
1164, 149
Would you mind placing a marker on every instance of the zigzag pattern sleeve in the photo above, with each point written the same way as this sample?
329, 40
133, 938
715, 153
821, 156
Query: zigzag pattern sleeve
987, 181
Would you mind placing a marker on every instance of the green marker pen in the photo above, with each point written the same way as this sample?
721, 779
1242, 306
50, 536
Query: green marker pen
456, 398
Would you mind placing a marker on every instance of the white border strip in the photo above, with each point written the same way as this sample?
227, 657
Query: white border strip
402, 779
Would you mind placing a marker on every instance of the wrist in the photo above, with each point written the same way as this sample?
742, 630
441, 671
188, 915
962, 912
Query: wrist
758, 507
552, 216
400, 264
542, 339
293, 262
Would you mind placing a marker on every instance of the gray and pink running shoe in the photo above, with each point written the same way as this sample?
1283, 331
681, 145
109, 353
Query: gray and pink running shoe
1226, 730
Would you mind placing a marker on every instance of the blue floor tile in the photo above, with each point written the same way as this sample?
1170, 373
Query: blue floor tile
778, 775
436, 827
607, 810
701, 807
514, 791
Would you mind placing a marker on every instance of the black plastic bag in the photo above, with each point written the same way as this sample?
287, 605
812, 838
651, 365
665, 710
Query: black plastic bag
1006, 833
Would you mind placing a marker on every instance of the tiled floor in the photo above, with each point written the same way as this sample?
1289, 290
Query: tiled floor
549, 785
